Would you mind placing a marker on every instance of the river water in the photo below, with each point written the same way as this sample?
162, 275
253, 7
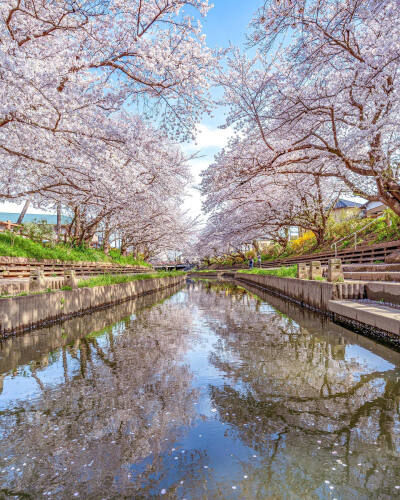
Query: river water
207, 391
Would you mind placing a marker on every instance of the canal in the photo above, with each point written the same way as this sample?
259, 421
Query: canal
208, 391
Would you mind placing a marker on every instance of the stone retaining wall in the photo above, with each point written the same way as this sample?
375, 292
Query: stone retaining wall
313, 294
23, 313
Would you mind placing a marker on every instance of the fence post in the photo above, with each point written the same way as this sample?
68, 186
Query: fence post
335, 270
315, 270
70, 278
37, 281
302, 271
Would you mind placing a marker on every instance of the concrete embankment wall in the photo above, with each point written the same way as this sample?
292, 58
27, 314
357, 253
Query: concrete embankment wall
18, 314
23, 349
313, 294
339, 302
316, 323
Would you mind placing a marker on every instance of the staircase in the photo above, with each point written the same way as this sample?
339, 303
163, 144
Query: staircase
372, 272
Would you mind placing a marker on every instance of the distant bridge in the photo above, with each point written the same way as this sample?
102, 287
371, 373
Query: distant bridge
174, 266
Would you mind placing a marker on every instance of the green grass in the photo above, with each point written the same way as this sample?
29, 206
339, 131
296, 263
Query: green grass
114, 279
282, 272
17, 246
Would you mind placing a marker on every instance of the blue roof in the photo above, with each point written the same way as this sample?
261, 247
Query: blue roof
50, 219
341, 203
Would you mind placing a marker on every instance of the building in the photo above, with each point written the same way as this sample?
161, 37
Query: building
346, 209
373, 209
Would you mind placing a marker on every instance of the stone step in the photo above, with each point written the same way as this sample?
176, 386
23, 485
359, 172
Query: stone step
382, 291
374, 315
372, 276
371, 267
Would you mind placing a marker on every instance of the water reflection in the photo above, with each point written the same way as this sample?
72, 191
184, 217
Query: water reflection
213, 392
310, 410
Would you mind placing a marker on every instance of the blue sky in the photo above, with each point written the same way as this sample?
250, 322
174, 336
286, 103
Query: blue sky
226, 23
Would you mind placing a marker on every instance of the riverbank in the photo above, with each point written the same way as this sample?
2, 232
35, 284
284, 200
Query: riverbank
19, 314
342, 302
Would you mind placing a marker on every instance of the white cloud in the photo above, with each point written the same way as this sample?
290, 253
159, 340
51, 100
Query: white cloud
16, 208
209, 138
208, 142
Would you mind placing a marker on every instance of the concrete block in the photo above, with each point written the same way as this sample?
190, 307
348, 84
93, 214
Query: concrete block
70, 278
335, 270
302, 271
315, 270
387, 292
37, 281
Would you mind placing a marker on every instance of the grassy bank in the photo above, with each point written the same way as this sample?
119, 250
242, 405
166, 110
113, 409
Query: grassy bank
115, 279
12, 245
282, 272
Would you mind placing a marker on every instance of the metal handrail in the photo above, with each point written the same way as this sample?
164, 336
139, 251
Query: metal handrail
335, 244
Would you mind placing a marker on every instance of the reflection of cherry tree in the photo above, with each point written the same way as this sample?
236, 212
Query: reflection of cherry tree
124, 395
291, 386
26, 349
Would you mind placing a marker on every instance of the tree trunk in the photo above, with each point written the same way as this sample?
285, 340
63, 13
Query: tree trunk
23, 212
256, 246
58, 228
123, 246
77, 224
106, 239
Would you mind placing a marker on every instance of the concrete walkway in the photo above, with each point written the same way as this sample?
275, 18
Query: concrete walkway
378, 316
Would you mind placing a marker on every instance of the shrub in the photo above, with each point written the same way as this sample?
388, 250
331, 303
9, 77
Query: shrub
38, 231
303, 243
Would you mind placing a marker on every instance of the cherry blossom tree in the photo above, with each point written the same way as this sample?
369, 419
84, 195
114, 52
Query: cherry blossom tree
243, 209
80, 82
321, 92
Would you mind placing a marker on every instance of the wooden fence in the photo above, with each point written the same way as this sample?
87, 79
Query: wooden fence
20, 267
361, 255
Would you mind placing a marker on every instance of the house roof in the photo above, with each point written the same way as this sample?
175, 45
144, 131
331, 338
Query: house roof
342, 203
373, 204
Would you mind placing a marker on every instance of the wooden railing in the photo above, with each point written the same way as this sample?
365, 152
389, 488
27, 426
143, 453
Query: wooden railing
20, 267
360, 255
